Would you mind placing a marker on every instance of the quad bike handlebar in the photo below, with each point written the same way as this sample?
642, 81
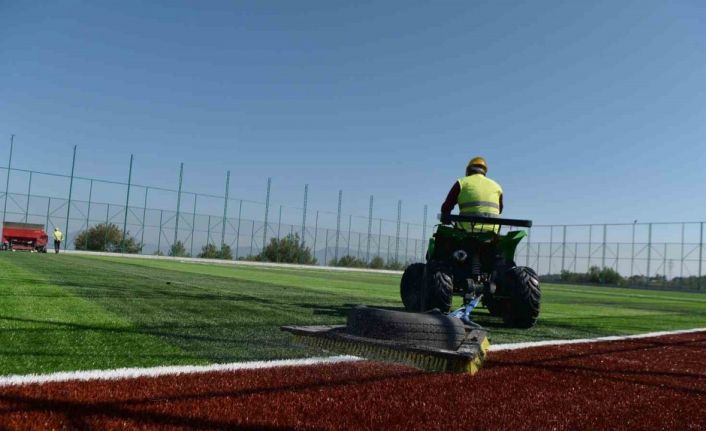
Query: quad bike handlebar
485, 220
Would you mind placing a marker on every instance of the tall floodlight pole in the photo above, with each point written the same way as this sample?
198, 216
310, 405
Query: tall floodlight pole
267, 210
225, 210
178, 208
306, 198
127, 203
338, 224
7, 180
370, 228
68, 206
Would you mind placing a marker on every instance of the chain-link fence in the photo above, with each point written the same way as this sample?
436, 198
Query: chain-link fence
653, 254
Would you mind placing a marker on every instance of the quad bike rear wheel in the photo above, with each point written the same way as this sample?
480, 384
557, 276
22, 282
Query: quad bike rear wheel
520, 307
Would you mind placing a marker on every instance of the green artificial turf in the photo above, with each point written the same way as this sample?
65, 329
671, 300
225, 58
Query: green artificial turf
60, 312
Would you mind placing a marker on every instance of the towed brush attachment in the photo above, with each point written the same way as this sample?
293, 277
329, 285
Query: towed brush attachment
464, 354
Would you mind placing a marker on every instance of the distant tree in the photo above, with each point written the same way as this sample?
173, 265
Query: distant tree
225, 252
394, 265
289, 249
178, 250
106, 237
348, 261
377, 263
209, 251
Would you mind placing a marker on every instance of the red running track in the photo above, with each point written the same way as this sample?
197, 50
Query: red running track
657, 383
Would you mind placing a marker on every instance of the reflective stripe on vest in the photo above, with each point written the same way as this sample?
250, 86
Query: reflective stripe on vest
467, 205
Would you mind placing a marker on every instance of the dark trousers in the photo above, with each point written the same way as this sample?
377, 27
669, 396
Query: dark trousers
57, 245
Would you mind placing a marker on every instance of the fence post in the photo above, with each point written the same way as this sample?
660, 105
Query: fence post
88, 212
379, 236
127, 204
649, 250
105, 236
159, 238
29, 192
338, 224
193, 225
617, 257
529, 247
279, 223
424, 230
370, 228
605, 233
406, 243
144, 216
7, 181
632, 250
208, 231
701, 250
316, 234
306, 198
225, 211
551, 248
563, 249
252, 236
350, 221
68, 206
237, 233
267, 211
397, 238
279, 227
539, 249
681, 266
590, 246
664, 262
176, 220
388, 248
46, 224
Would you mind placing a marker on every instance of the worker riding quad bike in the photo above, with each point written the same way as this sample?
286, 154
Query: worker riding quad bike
472, 259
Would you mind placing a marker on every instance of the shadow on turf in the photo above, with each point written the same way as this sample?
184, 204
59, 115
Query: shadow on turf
552, 363
82, 414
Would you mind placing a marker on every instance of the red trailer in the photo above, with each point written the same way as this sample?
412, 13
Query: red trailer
24, 236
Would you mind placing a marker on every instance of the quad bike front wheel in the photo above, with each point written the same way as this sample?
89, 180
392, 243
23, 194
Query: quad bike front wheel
426, 287
439, 286
522, 297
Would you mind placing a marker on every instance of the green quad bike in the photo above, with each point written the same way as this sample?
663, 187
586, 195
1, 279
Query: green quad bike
478, 264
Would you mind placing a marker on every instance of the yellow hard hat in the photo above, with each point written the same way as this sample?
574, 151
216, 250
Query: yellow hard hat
477, 162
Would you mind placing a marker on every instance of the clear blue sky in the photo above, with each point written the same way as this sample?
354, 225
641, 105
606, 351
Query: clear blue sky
586, 111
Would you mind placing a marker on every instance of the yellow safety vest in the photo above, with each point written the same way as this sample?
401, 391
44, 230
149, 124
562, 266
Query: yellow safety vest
58, 236
479, 196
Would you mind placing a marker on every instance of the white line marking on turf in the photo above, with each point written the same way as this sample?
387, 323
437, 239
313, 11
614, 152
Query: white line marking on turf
128, 373
530, 344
